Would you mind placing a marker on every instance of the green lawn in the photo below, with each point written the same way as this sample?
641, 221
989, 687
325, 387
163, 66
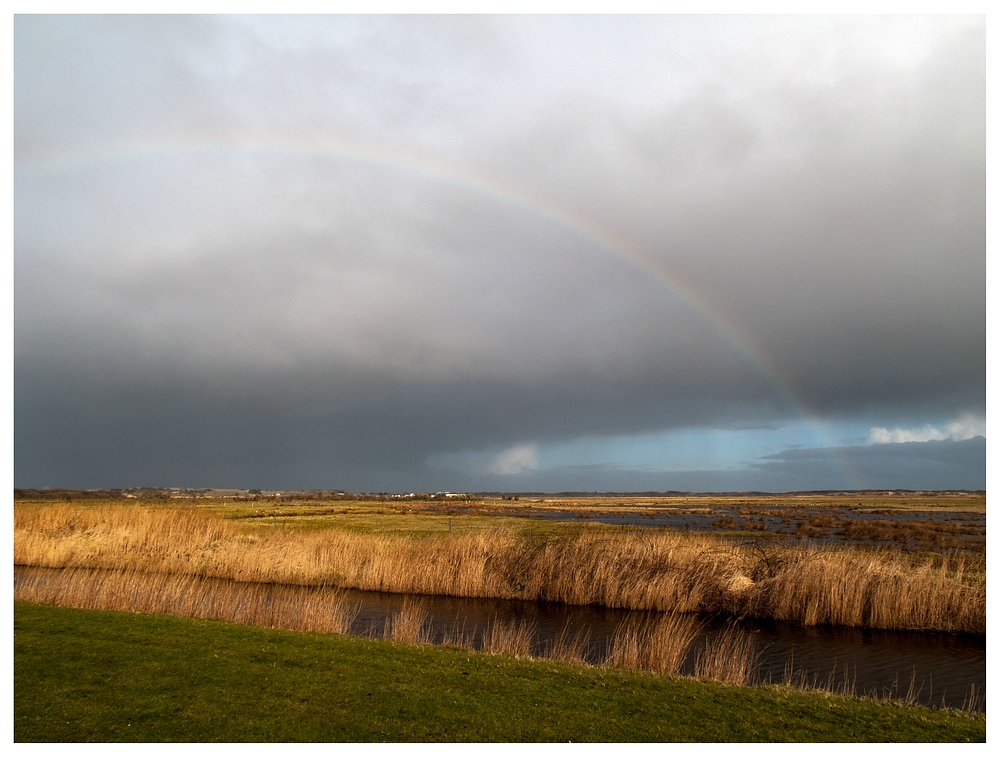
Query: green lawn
83, 675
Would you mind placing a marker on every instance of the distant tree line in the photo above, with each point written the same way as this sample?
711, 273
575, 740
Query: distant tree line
67, 495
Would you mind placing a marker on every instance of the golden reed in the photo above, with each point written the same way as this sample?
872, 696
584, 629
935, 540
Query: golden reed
510, 638
731, 657
660, 647
294, 608
409, 625
650, 570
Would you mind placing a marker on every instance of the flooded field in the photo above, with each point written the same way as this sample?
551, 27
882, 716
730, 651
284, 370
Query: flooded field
936, 669
841, 525
913, 522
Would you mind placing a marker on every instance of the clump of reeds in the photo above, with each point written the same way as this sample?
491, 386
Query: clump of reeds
457, 635
410, 624
567, 646
660, 646
290, 607
873, 589
799, 678
730, 657
974, 701
510, 637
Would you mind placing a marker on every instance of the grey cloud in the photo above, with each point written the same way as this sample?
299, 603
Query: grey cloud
321, 316
83, 81
845, 230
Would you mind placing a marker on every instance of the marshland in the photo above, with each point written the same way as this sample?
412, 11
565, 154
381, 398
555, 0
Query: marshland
504, 576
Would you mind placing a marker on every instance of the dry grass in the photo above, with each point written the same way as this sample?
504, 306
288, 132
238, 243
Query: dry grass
459, 636
660, 646
569, 647
294, 608
649, 570
730, 657
876, 590
511, 638
844, 685
410, 625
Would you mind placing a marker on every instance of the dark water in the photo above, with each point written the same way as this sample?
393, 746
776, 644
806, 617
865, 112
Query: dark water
934, 668
931, 668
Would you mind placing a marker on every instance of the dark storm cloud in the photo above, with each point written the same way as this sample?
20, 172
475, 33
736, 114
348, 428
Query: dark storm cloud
923, 465
298, 316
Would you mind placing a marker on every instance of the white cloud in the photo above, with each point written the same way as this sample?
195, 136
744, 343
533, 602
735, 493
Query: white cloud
965, 427
517, 459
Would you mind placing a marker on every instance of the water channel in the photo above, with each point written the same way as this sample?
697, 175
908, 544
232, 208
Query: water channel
931, 668
934, 668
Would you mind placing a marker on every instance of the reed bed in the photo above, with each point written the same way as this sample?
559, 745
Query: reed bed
293, 608
650, 570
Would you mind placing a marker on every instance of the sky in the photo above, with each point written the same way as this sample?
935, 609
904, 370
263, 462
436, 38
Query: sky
500, 253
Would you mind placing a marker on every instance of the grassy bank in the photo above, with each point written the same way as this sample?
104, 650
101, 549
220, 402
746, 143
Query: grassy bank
83, 675
582, 565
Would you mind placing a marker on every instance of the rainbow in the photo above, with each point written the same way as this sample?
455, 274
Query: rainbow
496, 190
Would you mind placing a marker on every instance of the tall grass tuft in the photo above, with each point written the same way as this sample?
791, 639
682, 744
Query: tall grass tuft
567, 646
458, 636
510, 637
974, 700
799, 678
670, 638
731, 657
660, 646
410, 624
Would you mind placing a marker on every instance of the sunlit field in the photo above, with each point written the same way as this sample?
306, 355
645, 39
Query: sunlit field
285, 564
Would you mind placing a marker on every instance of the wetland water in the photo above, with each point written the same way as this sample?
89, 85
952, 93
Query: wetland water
824, 524
931, 668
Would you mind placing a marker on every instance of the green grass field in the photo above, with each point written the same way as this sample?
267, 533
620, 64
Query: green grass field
82, 675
